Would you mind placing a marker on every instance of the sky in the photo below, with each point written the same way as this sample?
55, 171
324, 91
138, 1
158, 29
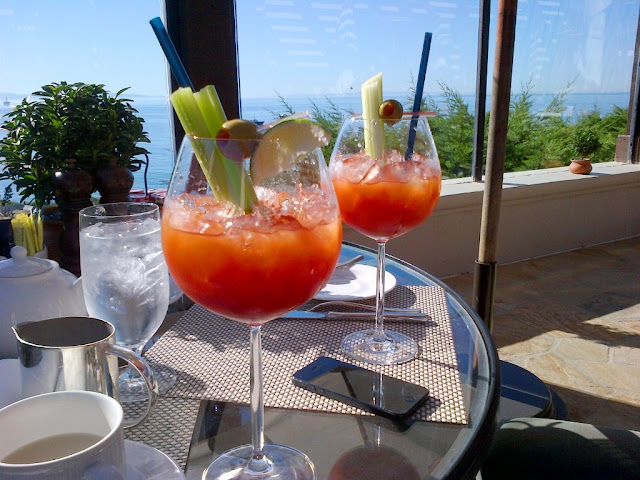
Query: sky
317, 47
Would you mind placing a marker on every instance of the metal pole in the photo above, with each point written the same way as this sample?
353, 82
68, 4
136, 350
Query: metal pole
481, 89
486, 265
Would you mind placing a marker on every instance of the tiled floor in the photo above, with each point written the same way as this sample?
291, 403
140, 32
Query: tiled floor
573, 319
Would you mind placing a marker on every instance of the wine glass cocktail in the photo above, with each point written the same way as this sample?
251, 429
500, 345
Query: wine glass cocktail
383, 196
125, 280
252, 263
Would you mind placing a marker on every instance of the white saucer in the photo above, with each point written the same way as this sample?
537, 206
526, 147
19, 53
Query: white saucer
355, 283
147, 463
10, 386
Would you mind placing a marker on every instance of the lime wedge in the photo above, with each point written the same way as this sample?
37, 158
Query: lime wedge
283, 145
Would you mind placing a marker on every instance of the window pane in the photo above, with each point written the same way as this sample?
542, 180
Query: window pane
571, 58
103, 42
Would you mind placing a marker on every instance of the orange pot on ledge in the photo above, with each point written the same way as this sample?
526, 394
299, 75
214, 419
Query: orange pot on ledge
581, 166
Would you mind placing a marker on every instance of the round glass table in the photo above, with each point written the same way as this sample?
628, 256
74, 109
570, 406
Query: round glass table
360, 446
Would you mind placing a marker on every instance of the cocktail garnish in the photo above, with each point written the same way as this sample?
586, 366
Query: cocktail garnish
371, 92
201, 115
390, 111
284, 145
238, 130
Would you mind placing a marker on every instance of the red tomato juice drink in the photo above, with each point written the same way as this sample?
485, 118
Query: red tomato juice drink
254, 267
385, 199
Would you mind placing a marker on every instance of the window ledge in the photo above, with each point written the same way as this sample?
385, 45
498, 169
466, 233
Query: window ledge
559, 175
541, 212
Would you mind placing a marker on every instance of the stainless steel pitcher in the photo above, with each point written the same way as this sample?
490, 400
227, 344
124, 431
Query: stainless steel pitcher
76, 353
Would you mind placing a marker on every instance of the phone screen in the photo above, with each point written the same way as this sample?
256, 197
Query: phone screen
360, 387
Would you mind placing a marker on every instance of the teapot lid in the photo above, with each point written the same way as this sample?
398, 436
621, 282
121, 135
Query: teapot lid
19, 265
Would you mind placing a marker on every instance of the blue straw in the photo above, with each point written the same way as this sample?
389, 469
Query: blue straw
417, 100
175, 64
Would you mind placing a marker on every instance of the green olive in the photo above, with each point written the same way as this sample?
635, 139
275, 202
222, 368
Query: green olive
390, 111
237, 139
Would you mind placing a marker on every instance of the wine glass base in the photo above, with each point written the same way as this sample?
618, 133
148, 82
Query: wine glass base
134, 389
397, 348
281, 463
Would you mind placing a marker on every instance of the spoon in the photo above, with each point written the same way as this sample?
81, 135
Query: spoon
350, 262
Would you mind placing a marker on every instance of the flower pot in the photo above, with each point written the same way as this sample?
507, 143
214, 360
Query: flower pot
114, 182
73, 188
52, 231
581, 166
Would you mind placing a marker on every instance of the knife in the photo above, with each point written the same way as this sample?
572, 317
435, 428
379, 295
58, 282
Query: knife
303, 314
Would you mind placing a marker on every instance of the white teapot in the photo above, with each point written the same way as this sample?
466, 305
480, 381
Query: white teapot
34, 289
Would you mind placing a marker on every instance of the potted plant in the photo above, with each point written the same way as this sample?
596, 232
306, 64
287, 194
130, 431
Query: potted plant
59, 144
585, 143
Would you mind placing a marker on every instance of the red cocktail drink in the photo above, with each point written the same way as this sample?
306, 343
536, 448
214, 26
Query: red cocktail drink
387, 178
383, 202
251, 268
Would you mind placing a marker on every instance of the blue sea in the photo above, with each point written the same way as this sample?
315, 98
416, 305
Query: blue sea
155, 112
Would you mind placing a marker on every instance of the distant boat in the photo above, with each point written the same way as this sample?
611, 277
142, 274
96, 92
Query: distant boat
6, 102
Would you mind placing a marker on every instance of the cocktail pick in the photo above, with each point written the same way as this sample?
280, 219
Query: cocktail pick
175, 64
424, 59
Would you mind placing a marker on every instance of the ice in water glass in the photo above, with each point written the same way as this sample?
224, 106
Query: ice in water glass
125, 279
384, 195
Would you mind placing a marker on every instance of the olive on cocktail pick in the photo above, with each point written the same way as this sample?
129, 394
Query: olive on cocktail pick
237, 129
390, 111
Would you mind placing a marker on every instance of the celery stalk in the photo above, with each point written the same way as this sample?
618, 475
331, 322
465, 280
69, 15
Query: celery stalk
371, 92
238, 180
211, 108
188, 112
201, 114
190, 116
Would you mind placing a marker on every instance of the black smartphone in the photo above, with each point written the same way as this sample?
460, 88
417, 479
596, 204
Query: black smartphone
371, 391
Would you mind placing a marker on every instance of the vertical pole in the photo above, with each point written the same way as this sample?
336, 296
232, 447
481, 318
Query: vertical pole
481, 89
204, 34
486, 264
633, 119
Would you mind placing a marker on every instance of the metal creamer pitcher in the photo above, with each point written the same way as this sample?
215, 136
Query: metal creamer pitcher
76, 353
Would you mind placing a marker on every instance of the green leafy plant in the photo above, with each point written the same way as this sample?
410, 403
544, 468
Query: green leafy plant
80, 123
535, 140
585, 142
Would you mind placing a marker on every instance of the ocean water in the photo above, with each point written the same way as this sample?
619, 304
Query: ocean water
156, 114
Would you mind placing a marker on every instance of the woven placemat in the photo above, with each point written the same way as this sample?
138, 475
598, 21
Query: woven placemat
211, 355
169, 427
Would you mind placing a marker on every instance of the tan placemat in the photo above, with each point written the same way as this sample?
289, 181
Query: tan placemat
211, 356
169, 428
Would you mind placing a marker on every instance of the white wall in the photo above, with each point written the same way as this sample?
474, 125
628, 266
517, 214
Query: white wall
542, 212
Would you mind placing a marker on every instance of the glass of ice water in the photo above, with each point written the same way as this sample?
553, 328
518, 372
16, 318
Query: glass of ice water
125, 280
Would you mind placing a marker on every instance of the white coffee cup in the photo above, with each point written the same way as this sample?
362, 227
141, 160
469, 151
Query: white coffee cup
74, 415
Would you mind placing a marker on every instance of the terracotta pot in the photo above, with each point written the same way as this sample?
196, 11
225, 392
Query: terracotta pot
581, 166
114, 182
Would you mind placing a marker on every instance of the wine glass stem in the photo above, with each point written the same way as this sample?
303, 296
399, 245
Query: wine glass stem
378, 335
259, 462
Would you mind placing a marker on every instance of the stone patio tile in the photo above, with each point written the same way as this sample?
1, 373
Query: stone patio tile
552, 369
581, 349
617, 376
573, 319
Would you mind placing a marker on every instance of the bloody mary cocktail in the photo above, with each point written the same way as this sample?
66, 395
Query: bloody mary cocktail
383, 202
251, 268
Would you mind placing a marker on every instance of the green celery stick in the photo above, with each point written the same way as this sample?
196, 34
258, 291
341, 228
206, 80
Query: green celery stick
186, 107
190, 116
241, 190
371, 92
201, 114
211, 108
